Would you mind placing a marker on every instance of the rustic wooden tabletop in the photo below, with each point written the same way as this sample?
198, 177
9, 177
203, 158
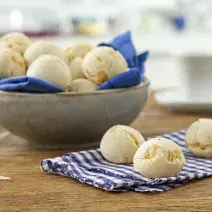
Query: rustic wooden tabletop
32, 190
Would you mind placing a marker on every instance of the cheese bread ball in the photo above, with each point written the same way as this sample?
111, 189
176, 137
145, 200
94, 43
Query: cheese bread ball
78, 50
81, 85
39, 48
74, 58
11, 64
120, 143
199, 138
102, 63
159, 157
15, 41
52, 69
75, 67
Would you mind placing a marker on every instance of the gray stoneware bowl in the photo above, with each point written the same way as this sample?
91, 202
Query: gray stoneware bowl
70, 119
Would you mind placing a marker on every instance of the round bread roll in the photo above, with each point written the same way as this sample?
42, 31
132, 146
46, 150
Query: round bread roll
74, 57
39, 48
159, 157
102, 63
75, 67
199, 138
15, 41
11, 64
52, 69
120, 143
81, 85
78, 50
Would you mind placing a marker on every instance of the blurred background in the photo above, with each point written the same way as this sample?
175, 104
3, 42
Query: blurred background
170, 29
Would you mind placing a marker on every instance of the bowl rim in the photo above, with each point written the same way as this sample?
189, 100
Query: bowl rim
67, 94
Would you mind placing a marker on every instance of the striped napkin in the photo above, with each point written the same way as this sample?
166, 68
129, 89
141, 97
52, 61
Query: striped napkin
91, 168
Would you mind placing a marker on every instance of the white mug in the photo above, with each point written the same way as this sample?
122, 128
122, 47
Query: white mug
196, 76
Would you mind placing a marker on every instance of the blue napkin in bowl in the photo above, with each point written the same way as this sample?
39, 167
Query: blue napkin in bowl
127, 79
28, 85
122, 43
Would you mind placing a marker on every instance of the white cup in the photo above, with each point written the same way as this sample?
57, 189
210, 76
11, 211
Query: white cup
196, 76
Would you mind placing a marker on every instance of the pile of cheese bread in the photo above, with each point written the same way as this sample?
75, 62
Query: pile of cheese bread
79, 67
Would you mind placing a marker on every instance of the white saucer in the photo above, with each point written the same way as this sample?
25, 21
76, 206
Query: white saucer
176, 100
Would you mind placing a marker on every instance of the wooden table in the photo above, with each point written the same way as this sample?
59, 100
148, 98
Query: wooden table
32, 190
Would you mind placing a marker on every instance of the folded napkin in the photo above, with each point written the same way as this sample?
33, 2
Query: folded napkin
29, 85
123, 80
91, 168
122, 43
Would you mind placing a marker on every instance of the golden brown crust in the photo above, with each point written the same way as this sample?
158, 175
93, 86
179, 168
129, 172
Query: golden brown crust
201, 146
102, 77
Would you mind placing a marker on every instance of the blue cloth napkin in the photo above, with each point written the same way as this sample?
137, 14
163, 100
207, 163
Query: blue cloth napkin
122, 43
29, 85
91, 168
123, 80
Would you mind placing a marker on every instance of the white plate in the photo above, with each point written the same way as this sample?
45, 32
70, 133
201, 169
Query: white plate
176, 100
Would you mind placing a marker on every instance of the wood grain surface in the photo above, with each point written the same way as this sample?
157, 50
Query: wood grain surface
32, 190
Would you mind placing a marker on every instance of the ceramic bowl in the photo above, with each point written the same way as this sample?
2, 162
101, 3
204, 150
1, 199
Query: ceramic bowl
70, 119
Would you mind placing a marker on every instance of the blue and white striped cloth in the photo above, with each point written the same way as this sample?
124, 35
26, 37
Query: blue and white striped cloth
90, 167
